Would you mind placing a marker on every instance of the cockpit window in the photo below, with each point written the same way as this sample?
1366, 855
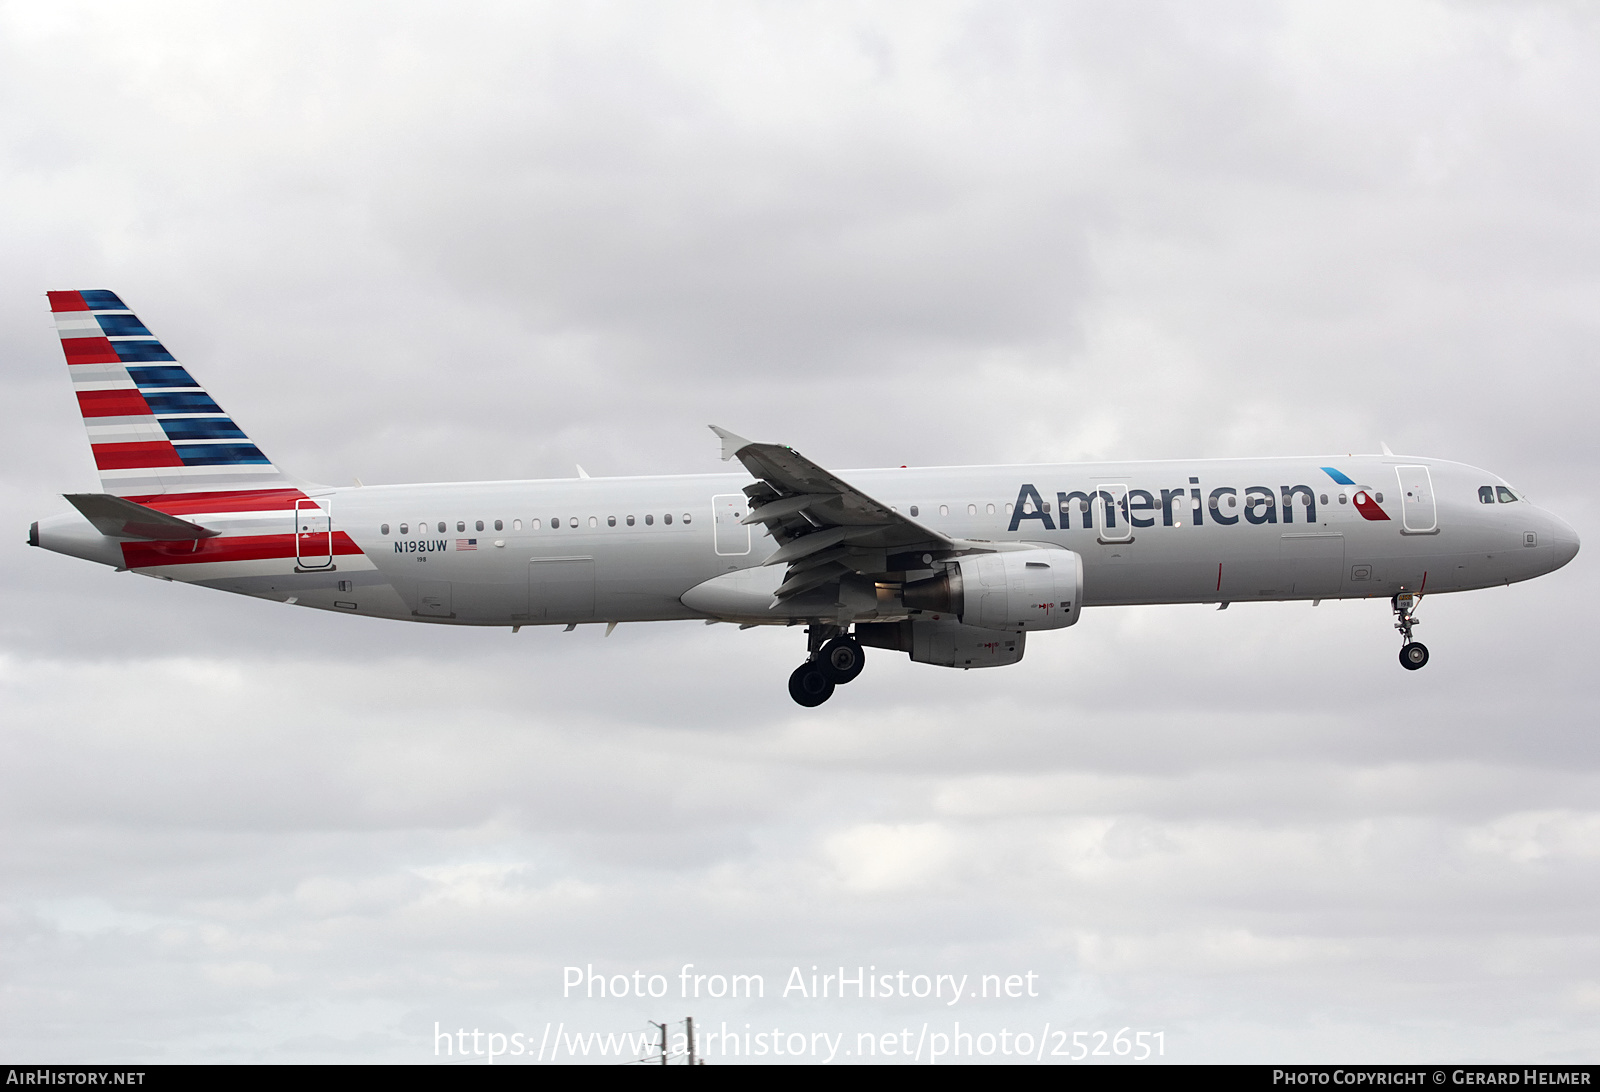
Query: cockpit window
1506, 495
1486, 494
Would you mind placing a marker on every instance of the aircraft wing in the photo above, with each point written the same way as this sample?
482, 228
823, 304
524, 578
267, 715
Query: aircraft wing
825, 527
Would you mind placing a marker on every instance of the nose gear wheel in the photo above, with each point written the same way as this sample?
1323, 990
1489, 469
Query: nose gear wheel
1413, 654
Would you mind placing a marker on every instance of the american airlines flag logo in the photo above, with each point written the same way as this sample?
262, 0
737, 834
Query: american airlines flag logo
466, 544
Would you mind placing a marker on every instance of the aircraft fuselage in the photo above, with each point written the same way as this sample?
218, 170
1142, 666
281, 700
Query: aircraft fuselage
631, 548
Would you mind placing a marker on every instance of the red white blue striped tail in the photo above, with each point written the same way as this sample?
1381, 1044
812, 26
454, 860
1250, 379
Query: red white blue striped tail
154, 431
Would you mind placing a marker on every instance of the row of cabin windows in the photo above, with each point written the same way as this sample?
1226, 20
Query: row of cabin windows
1231, 501
534, 524
1486, 494
972, 509
1490, 494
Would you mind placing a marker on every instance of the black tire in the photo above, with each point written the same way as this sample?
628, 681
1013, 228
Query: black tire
841, 660
1414, 656
809, 686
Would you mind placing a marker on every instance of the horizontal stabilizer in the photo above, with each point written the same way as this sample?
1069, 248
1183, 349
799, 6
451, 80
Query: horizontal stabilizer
117, 517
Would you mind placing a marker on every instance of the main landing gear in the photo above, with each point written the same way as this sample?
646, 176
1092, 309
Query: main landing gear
1413, 654
835, 659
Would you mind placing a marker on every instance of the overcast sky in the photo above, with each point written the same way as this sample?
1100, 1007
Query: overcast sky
443, 242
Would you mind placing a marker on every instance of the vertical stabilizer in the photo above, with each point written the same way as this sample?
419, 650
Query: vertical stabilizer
154, 431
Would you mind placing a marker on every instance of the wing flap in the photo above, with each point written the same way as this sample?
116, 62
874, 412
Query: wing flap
805, 546
803, 581
788, 506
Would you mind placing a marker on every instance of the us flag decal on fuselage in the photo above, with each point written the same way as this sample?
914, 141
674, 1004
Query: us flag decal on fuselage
466, 544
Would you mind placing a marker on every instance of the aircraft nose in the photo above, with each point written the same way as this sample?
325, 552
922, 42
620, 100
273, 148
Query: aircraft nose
1564, 542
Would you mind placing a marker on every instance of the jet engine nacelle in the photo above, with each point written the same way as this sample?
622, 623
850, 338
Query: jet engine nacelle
944, 642
1013, 591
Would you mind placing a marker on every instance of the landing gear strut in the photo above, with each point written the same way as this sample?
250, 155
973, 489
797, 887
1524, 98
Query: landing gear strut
1413, 654
835, 659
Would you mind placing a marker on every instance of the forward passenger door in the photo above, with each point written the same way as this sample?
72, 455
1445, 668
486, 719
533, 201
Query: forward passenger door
1419, 514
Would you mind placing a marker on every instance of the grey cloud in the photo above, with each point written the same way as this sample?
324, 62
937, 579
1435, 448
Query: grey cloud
408, 245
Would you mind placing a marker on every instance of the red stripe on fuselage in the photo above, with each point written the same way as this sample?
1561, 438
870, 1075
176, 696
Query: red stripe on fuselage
145, 555
189, 504
67, 301
135, 456
89, 350
117, 403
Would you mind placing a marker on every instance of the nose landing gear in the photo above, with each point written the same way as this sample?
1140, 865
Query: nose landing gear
835, 659
1413, 654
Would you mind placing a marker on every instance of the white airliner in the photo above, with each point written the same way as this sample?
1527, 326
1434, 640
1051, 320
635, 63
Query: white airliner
952, 565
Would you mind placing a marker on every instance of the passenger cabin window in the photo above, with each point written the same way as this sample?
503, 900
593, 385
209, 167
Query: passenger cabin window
441, 527
611, 521
1506, 495
1324, 498
384, 528
989, 508
1485, 494
555, 523
533, 524
972, 509
573, 522
479, 525
648, 520
461, 525
404, 529
499, 525
944, 509
516, 525
913, 510
1341, 498
686, 518
593, 522
667, 518
630, 521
